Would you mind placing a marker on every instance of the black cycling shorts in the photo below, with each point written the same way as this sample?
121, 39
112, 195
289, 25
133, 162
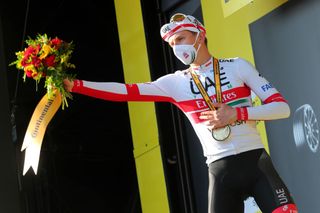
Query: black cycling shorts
234, 178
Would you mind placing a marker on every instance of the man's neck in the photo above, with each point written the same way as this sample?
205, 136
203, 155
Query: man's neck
202, 57
201, 60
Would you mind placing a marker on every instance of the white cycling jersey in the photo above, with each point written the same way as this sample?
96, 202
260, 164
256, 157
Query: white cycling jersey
238, 78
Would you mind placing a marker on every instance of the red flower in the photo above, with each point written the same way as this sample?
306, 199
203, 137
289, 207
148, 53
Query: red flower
56, 43
49, 61
24, 62
38, 48
34, 74
31, 50
36, 61
29, 73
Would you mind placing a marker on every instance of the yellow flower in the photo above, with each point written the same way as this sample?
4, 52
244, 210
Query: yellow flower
30, 67
45, 51
20, 54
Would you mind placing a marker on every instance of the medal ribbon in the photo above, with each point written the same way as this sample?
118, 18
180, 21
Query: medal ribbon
217, 85
217, 80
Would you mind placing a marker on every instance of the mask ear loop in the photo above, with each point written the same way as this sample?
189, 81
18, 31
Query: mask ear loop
196, 42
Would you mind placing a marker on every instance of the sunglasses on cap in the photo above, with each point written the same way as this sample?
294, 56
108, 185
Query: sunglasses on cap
179, 22
178, 17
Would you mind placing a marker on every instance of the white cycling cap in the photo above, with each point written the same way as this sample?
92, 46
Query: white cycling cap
180, 22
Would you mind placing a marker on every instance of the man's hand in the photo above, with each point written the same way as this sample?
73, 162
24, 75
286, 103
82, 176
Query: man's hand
221, 117
68, 85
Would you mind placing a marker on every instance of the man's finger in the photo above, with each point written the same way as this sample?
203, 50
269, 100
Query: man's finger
217, 105
206, 113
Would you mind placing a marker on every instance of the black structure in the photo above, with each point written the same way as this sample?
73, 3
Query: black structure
87, 162
9, 180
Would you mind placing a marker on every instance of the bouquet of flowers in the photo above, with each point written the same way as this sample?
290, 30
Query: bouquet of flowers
48, 59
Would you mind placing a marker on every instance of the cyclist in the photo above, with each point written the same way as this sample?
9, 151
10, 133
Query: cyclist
238, 166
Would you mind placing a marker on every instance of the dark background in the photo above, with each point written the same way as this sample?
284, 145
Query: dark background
86, 162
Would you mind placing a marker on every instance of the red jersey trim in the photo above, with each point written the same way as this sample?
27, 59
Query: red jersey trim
227, 96
171, 32
242, 113
76, 84
277, 97
133, 94
289, 208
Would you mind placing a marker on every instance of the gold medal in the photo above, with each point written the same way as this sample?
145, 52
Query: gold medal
221, 134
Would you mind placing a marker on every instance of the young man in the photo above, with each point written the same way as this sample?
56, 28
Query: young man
238, 164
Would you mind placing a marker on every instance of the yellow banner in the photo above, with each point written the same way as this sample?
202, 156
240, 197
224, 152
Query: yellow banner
40, 119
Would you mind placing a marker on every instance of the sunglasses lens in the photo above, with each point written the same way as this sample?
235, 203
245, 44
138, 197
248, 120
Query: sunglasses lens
177, 17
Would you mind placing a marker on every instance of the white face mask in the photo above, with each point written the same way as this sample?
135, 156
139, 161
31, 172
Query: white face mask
186, 52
